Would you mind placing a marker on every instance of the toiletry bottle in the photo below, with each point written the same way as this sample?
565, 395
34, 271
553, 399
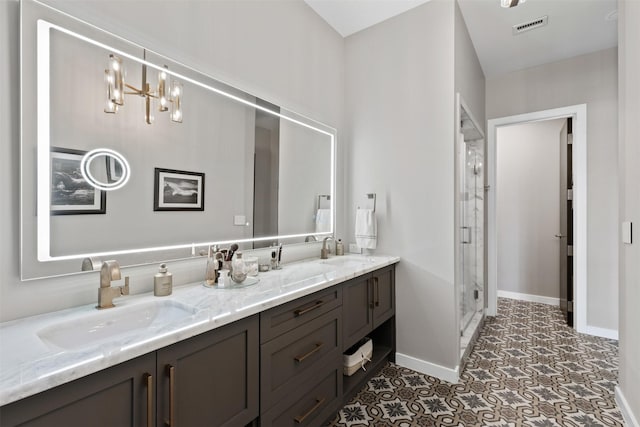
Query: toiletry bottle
162, 282
223, 278
239, 269
211, 272
339, 247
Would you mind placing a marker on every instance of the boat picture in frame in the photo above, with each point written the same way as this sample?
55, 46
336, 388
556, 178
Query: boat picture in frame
176, 190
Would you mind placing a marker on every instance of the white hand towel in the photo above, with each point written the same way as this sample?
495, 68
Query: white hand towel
323, 221
366, 229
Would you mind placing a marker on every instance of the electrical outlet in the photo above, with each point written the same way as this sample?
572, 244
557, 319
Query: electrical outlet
239, 220
353, 248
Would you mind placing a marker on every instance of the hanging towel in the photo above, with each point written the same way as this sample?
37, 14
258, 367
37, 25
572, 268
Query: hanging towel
323, 221
366, 229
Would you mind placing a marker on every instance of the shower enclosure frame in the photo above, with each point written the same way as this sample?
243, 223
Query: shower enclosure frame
468, 334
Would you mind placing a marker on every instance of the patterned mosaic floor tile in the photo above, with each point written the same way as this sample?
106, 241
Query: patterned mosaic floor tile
526, 369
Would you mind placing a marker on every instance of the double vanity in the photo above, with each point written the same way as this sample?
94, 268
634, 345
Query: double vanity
268, 354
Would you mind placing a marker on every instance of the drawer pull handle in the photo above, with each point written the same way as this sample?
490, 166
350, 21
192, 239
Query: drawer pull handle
376, 291
309, 354
149, 380
302, 311
172, 382
300, 418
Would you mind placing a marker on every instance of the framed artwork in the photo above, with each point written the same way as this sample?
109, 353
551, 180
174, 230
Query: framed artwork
71, 194
176, 190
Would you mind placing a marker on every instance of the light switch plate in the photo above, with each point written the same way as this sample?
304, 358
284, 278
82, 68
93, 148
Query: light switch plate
627, 232
239, 220
353, 248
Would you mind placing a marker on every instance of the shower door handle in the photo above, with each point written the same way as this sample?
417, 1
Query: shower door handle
466, 235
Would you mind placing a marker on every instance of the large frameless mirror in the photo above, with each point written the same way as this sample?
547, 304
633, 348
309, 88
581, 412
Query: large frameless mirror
128, 154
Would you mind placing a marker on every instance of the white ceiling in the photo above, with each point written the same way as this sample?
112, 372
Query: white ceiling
350, 16
575, 27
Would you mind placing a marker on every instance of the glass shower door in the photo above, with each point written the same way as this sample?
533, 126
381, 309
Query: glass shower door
471, 234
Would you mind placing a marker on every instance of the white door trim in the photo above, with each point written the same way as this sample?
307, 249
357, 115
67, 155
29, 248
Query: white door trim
579, 115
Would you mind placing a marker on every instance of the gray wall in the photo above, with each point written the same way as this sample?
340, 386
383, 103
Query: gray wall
590, 79
528, 207
629, 154
400, 100
469, 78
300, 67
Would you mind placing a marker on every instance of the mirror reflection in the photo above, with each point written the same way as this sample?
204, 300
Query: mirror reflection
145, 159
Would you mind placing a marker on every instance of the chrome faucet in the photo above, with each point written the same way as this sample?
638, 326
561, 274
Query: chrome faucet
324, 252
106, 293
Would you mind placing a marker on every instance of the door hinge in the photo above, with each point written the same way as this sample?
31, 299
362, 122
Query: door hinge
569, 250
476, 294
570, 306
570, 194
570, 138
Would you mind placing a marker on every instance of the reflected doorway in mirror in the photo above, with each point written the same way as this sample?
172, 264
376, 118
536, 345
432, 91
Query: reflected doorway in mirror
71, 194
176, 190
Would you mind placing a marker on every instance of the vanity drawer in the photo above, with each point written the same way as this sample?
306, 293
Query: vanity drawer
288, 316
291, 360
307, 408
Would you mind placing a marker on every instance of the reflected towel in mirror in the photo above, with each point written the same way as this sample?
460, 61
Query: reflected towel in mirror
323, 221
366, 229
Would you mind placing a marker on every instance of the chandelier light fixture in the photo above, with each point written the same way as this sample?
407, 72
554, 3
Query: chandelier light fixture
167, 95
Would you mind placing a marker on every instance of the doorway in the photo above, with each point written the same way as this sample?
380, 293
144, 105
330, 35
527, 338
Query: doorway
579, 216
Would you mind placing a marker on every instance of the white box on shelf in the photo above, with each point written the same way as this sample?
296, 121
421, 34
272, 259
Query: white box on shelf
357, 356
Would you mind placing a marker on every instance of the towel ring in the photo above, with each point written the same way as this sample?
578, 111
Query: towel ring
326, 196
371, 196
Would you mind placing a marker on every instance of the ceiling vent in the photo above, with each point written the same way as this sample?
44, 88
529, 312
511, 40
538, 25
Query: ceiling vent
531, 25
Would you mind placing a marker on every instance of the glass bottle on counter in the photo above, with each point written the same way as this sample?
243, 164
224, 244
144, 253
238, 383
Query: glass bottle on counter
238, 268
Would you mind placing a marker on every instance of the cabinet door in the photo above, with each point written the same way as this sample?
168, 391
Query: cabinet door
123, 395
357, 319
383, 283
211, 379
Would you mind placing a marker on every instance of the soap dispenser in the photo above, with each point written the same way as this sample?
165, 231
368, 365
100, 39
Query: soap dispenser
162, 282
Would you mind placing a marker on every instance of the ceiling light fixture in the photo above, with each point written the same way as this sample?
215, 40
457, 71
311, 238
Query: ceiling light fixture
511, 3
115, 85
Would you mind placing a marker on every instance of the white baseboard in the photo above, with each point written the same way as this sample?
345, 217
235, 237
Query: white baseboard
528, 297
428, 368
601, 332
629, 419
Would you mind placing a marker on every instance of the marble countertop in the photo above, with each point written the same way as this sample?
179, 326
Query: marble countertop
33, 360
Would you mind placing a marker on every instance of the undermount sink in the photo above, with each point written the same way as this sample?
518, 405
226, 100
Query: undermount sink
109, 324
303, 271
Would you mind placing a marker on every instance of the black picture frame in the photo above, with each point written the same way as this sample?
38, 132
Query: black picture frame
176, 190
70, 193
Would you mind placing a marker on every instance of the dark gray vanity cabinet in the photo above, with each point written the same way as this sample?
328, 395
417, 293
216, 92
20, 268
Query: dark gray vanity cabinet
210, 379
123, 395
282, 367
301, 354
368, 302
368, 310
